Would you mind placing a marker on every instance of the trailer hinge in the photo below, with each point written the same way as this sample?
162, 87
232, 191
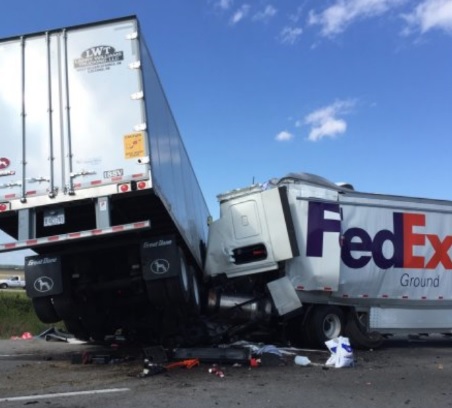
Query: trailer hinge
12, 184
137, 95
82, 173
140, 127
132, 36
135, 65
38, 179
144, 160
7, 173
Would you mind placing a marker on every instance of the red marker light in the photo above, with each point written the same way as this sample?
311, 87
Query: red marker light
124, 188
141, 185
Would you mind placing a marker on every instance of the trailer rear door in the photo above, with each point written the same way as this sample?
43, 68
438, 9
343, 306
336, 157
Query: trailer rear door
72, 110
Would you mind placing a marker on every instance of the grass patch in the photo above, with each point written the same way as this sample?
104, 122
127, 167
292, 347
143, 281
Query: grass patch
17, 315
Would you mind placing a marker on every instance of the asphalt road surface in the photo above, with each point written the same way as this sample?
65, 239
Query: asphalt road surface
403, 373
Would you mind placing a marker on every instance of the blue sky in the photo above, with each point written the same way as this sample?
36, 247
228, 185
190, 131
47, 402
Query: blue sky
352, 90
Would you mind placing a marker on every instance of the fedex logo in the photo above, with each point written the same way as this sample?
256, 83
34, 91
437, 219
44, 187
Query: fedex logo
358, 247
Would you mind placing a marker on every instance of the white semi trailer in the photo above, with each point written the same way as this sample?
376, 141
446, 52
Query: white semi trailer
95, 178
346, 262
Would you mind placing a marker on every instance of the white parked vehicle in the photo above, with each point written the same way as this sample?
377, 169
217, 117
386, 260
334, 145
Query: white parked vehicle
12, 282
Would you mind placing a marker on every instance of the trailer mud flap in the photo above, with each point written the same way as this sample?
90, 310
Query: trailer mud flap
160, 258
43, 276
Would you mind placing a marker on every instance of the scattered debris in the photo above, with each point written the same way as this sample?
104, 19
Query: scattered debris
155, 354
341, 353
302, 361
151, 369
24, 336
54, 334
190, 363
214, 354
216, 370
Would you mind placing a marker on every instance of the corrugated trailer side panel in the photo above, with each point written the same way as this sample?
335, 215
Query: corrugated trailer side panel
173, 177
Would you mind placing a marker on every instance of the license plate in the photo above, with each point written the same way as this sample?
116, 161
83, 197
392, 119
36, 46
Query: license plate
54, 217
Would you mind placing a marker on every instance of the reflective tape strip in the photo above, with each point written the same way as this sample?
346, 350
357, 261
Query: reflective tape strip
31, 243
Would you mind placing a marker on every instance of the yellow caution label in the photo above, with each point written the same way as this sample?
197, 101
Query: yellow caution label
134, 145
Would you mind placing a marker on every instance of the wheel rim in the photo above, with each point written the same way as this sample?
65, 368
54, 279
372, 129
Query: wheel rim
332, 326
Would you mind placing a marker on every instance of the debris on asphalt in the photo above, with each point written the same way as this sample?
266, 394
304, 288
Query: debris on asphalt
150, 369
155, 354
216, 370
190, 363
24, 336
54, 334
302, 361
341, 353
222, 355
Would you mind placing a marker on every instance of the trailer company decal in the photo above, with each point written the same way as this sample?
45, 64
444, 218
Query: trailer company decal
160, 266
134, 145
98, 58
43, 284
4, 164
159, 243
409, 236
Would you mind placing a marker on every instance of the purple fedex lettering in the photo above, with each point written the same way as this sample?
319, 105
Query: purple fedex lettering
359, 247
318, 224
388, 249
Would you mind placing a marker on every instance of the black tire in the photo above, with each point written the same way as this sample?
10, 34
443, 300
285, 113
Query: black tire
178, 288
194, 301
359, 337
44, 310
3, 286
157, 292
323, 324
65, 307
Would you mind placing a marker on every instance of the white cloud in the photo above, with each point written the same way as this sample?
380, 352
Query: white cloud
336, 18
430, 14
284, 136
290, 35
240, 14
224, 4
295, 17
326, 121
266, 14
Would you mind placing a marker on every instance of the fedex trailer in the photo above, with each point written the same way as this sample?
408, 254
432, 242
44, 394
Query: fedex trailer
360, 264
